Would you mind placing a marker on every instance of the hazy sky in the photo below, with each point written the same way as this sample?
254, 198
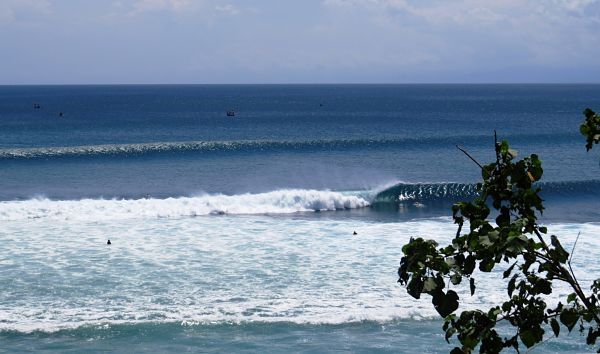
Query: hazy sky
299, 41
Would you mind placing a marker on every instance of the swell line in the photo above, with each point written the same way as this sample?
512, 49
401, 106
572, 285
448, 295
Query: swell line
240, 145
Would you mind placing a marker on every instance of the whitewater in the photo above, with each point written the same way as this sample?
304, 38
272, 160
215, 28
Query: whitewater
276, 202
230, 269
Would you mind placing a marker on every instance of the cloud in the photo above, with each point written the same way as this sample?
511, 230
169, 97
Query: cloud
14, 10
301, 41
180, 7
473, 12
142, 6
227, 9
532, 32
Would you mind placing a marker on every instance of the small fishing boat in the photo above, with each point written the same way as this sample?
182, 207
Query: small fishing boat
231, 113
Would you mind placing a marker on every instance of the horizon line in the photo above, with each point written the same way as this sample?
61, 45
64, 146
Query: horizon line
303, 84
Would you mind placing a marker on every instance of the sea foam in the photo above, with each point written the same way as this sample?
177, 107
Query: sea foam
231, 269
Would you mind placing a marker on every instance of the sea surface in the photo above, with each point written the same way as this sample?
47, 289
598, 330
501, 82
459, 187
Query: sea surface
236, 234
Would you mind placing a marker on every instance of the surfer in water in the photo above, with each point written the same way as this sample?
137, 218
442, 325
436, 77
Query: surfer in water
108, 242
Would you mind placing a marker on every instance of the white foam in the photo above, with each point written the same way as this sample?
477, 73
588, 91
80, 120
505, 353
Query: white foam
276, 202
230, 269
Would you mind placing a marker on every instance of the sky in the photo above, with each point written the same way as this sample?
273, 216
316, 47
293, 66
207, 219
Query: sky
299, 41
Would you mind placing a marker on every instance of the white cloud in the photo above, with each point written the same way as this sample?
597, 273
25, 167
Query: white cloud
208, 7
10, 10
545, 32
141, 6
228, 9
465, 12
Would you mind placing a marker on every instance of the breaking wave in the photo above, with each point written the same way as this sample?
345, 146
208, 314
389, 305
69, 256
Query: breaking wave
285, 201
403, 192
276, 202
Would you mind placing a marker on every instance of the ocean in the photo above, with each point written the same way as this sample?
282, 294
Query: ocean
236, 234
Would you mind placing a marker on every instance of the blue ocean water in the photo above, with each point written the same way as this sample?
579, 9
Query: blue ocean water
235, 233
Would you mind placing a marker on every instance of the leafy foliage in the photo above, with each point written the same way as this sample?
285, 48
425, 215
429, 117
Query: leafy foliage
590, 128
501, 227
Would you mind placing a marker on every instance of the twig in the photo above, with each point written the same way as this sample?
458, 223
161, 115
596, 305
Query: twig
496, 147
469, 156
575, 244
540, 343
571, 257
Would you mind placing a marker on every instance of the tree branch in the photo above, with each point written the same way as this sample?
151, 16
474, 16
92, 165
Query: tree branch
471, 157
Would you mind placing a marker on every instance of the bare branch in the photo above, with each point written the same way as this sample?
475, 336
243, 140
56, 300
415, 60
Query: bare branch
469, 156
575, 244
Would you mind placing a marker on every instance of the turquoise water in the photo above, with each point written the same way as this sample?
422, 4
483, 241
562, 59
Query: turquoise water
236, 234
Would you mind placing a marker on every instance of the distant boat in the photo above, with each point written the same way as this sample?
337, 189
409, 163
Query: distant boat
37, 106
230, 113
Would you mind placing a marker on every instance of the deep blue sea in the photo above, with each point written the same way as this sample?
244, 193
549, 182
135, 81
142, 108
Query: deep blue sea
235, 234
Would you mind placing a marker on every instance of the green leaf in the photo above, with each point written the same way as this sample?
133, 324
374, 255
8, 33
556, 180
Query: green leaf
555, 326
456, 279
592, 336
572, 297
543, 286
527, 338
469, 265
446, 303
532, 336
429, 285
415, 287
449, 333
486, 265
569, 318
507, 272
511, 285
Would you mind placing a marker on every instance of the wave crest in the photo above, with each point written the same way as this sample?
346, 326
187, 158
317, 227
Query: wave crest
276, 202
208, 146
403, 192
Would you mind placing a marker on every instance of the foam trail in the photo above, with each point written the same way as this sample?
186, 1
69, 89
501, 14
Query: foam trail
276, 202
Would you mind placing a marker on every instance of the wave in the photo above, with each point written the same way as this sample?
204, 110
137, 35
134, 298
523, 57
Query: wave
255, 337
241, 145
285, 201
276, 202
191, 146
423, 192
426, 192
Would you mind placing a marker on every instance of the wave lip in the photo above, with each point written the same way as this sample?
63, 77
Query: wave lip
403, 192
426, 191
276, 202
